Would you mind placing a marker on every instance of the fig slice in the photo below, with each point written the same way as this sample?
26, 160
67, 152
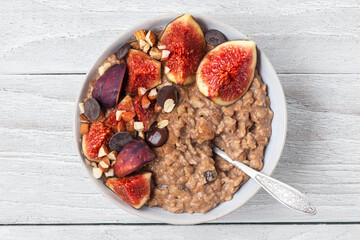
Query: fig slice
98, 135
108, 87
134, 190
226, 72
132, 157
143, 71
185, 40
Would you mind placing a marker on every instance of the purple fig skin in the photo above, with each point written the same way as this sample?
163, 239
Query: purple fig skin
132, 157
107, 88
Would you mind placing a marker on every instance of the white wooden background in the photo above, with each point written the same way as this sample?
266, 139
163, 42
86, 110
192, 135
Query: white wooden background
46, 47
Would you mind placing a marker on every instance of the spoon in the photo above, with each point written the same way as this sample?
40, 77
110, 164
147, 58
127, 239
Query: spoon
285, 194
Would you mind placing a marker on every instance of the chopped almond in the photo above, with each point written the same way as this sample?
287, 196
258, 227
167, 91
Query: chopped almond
112, 155
145, 102
138, 126
141, 91
104, 164
165, 55
135, 45
81, 108
161, 47
84, 128
83, 118
141, 134
155, 53
166, 70
109, 173
127, 116
146, 48
158, 108
118, 114
152, 94
142, 43
140, 35
97, 172
150, 38
103, 151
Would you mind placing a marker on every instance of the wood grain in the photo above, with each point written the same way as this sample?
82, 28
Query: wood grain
321, 155
246, 232
40, 36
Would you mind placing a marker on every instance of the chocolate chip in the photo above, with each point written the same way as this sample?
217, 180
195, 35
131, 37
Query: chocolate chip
121, 53
214, 37
210, 175
119, 140
155, 136
92, 109
165, 93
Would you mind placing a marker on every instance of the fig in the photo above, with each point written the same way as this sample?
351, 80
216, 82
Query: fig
98, 135
107, 88
185, 40
146, 116
132, 157
134, 190
226, 72
143, 71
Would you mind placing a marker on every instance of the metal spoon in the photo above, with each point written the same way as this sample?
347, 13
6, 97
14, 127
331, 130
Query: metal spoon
285, 194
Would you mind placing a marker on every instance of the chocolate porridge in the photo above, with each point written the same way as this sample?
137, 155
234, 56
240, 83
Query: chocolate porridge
188, 177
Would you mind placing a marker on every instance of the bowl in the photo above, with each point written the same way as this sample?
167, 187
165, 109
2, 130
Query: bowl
272, 152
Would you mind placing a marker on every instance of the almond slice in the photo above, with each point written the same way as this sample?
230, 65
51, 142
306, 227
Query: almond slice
97, 172
84, 128
112, 156
81, 108
169, 105
162, 123
138, 126
152, 94
150, 38
103, 151
109, 173
165, 55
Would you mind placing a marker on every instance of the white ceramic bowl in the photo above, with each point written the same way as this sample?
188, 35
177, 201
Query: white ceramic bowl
272, 152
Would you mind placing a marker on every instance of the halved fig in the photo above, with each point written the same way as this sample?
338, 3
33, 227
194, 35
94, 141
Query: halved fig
98, 135
134, 190
132, 157
185, 40
226, 72
143, 71
107, 88
146, 116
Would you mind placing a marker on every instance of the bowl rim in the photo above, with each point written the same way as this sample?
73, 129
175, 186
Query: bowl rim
251, 185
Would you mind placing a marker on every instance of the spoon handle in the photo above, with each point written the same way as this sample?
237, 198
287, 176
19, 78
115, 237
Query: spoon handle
282, 192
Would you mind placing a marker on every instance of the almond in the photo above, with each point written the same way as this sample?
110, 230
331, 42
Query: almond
146, 48
103, 151
141, 134
84, 128
113, 163
142, 43
135, 45
127, 116
94, 164
166, 70
150, 38
83, 118
161, 47
112, 155
141, 91
169, 105
155, 53
109, 173
157, 108
163, 123
140, 35
118, 114
165, 55
104, 164
145, 102
97, 172
138, 126
152, 94
81, 108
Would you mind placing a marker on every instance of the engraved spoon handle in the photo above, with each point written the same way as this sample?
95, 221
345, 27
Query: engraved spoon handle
282, 192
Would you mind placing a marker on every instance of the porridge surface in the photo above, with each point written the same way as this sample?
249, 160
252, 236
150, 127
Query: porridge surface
188, 177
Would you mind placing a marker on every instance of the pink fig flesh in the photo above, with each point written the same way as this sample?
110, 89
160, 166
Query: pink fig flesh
108, 87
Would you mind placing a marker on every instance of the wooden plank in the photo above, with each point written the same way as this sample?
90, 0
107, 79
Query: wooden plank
67, 36
37, 146
264, 232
